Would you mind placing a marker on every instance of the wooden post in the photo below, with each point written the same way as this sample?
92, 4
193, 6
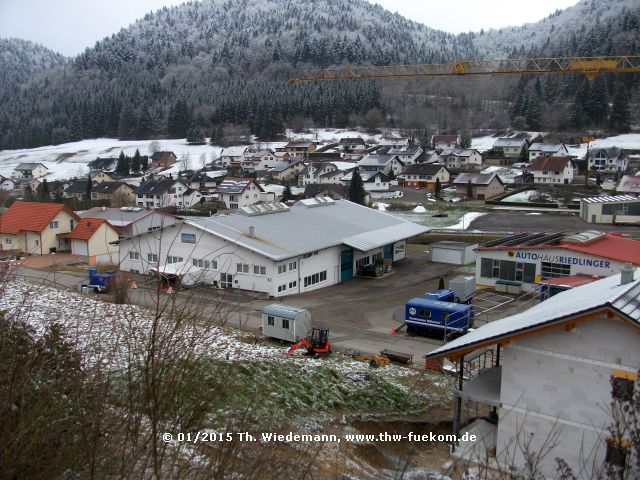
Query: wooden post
458, 411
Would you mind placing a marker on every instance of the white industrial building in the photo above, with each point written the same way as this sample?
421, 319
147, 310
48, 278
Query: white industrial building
611, 209
453, 252
526, 258
551, 376
275, 249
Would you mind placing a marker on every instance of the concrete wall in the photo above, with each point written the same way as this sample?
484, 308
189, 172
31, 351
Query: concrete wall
557, 383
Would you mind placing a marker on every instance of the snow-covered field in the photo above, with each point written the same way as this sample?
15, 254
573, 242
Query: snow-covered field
521, 196
70, 160
628, 141
109, 333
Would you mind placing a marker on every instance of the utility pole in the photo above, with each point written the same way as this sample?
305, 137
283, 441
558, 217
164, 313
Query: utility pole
53, 263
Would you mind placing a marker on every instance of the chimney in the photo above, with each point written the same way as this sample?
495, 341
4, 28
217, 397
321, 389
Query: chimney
252, 232
626, 274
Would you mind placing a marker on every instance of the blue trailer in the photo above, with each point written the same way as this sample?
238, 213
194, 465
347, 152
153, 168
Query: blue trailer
424, 315
100, 282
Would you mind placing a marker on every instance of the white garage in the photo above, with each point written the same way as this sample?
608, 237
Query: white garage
455, 253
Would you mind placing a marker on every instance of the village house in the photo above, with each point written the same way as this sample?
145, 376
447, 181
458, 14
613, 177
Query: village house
93, 238
612, 159
201, 181
547, 150
76, 189
118, 194
554, 371
315, 170
334, 191
425, 175
6, 184
26, 171
407, 154
300, 149
381, 163
286, 171
236, 193
461, 159
260, 161
28, 185
254, 249
231, 157
511, 148
428, 156
103, 164
440, 142
558, 170
98, 176
131, 221
163, 160
629, 184
394, 142
352, 148
36, 228
483, 186
166, 193
373, 181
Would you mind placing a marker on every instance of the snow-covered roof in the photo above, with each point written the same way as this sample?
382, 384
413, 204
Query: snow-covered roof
509, 142
234, 151
546, 147
376, 160
605, 293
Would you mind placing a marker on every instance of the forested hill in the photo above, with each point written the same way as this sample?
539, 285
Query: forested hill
21, 60
210, 63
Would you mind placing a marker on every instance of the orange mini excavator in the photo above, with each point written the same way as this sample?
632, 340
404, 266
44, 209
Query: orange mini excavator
316, 344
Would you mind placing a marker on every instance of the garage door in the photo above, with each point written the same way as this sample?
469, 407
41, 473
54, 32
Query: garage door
79, 247
446, 255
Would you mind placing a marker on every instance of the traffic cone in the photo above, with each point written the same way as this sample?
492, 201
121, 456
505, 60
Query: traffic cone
134, 284
170, 291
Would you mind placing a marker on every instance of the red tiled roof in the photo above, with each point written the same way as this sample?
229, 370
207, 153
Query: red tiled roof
31, 216
86, 228
550, 163
609, 246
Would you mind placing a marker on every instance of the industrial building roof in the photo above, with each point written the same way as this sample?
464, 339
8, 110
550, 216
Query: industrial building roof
31, 216
610, 199
605, 293
317, 223
119, 217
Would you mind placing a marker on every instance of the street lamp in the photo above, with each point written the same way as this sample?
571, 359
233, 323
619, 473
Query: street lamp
53, 263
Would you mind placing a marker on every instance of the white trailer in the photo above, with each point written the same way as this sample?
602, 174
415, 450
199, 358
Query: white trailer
463, 287
285, 322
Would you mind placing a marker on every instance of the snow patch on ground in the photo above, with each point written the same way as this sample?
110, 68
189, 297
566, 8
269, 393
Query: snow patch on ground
420, 209
382, 207
465, 221
523, 197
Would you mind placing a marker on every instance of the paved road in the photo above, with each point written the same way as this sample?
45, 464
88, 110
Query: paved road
359, 313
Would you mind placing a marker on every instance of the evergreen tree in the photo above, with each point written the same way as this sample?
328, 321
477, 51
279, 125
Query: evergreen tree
437, 188
534, 112
619, 119
144, 163
28, 193
43, 191
88, 188
357, 193
122, 166
196, 136
286, 194
469, 189
135, 162
179, 120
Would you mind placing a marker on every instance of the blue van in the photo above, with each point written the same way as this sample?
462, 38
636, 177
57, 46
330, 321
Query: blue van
443, 295
435, 315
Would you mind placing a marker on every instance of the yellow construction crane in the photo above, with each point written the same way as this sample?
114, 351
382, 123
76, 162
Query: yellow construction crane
589, 66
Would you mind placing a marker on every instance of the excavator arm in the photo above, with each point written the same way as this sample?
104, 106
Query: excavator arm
295, 346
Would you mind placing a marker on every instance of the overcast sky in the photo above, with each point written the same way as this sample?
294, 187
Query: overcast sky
70, 26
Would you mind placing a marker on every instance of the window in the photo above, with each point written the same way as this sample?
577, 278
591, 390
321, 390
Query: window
424, 313
315, 278
71, 223
188, 237
133, 255
293, 284
399, 249
508, 270
293, 265
199, 262
377, 257
271, 321
282, 288
242, 268
53, 225
285, 323
259, 270
8, 240
362, 262
554, 270
174, 259
282, 269
152, 257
